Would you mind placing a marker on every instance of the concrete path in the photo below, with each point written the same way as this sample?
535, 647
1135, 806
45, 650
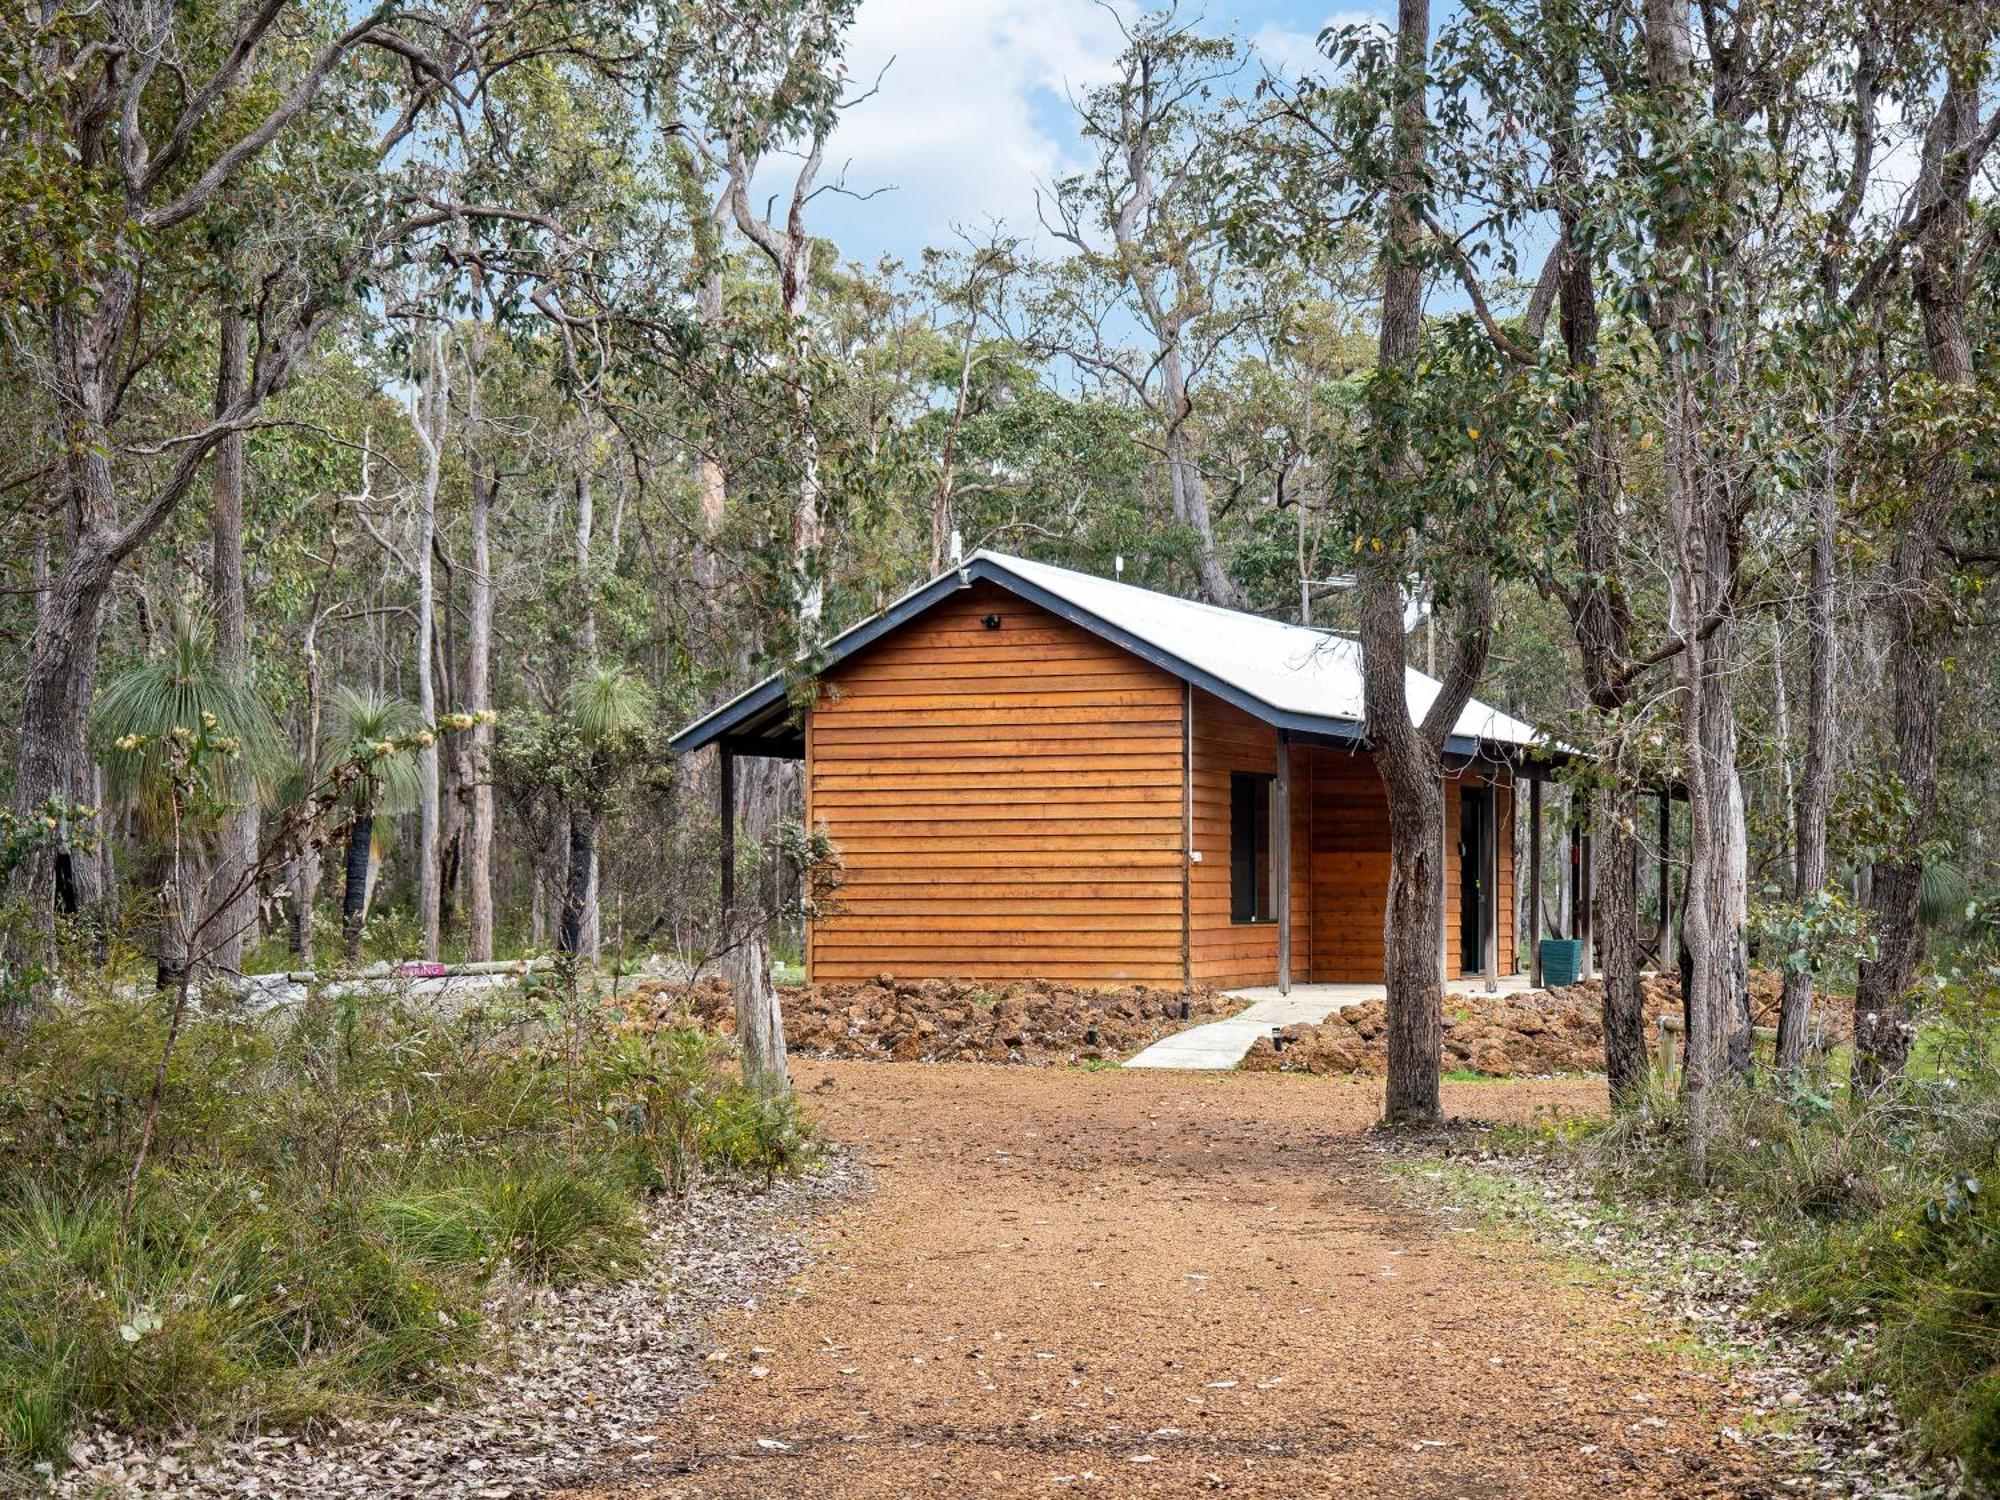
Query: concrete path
1221, 1044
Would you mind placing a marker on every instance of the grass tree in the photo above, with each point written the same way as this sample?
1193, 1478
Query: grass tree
179, 693
364, 720
607, 711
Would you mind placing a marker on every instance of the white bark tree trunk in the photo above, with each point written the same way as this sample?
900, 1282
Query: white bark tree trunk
428, 418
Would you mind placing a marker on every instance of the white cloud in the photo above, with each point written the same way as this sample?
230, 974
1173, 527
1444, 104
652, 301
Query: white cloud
971, 115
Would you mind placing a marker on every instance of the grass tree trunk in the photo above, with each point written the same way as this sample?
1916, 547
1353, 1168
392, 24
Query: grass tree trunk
237, 841
354, 901
573, 927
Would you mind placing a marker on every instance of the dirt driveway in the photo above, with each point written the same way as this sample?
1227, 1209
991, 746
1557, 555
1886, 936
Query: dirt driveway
1129, 1283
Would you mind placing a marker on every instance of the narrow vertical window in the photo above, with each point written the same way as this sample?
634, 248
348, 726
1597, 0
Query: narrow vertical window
1252, 894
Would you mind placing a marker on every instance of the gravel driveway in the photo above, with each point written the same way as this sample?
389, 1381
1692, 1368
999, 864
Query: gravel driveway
1146, 1283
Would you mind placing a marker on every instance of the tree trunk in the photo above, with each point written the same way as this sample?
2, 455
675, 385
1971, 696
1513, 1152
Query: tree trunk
1600, 619
305, 865
1616, 888
354, 904
237, 842
576, 887
585, 939
429, 421
1701, 526
1405, 757
478, 698
760, 1028
1184, 479
54, 761
1815, 784
1939, 274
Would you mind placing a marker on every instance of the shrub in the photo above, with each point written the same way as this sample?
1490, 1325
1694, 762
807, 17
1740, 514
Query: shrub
1881, 1212
329, 1194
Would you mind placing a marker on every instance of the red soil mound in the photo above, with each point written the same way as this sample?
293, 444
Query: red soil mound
939, 1020
1553, 1031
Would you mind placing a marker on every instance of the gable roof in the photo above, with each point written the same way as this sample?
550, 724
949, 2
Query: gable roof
1294, 677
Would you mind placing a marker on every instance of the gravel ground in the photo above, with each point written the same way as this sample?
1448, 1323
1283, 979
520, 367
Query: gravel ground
1696, 1267
1135, 1283
585, 1376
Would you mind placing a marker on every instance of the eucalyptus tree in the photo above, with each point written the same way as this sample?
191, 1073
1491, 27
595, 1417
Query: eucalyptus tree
969, 289
766, 79
1450, 430
1936, 520
1151, 243
150, 118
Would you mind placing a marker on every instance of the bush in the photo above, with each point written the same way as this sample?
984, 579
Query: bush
329, 1195
1881, 1212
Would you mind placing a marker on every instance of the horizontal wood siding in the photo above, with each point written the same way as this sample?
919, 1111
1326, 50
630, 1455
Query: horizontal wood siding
1007, 803
1225, 953
1350, 868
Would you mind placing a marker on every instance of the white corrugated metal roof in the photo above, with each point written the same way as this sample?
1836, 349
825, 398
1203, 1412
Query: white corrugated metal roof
1294, 669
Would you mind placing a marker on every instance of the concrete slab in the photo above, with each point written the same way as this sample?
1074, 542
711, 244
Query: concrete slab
1220, 1045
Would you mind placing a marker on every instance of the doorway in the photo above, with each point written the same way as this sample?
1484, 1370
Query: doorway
1472, 902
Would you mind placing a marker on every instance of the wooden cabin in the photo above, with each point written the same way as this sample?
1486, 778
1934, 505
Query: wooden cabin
1035, 773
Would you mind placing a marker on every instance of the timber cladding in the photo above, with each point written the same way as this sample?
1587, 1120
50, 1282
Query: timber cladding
1006, 790
1007, 802
1227, 953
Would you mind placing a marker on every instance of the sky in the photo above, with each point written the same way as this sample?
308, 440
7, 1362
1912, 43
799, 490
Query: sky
973, 110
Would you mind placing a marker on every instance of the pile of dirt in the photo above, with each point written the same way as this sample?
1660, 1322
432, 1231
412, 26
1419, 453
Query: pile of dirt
948, 1020
1527, 1035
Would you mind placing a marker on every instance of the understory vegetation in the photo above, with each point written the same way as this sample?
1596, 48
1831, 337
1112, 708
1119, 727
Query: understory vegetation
1878, 1210
333, 1201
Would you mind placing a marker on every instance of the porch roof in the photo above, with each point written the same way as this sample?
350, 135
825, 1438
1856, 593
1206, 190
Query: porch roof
1294, 677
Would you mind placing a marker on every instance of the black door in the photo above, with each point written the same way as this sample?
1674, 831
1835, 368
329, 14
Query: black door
1471, 881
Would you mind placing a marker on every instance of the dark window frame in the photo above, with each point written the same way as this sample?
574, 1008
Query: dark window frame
1253, 901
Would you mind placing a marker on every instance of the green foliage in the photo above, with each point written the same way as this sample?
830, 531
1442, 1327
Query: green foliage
1822, 929
181, 696
368, 727
609, 707
329, 1194
549, 1223
1880, 1212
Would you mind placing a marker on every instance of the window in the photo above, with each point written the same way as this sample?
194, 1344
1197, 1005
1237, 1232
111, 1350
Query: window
1253, 894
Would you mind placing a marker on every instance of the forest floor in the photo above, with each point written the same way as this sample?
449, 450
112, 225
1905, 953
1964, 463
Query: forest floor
1144, 1283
